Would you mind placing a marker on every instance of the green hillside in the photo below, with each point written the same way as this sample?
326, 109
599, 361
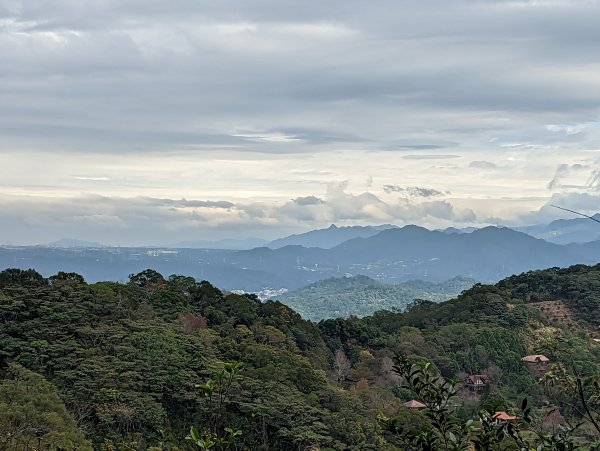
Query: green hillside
361, 296
137, 365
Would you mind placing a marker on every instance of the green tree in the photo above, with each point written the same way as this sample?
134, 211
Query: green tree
33, 416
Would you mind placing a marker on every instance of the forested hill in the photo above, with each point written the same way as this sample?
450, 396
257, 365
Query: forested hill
117, 366
361, 296
391, 256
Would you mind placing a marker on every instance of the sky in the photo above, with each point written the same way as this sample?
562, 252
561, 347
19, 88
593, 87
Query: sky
151, 122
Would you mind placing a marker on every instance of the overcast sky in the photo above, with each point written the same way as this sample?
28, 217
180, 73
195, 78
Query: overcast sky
138, 122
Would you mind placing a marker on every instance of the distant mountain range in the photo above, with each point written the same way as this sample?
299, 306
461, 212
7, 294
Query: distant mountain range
393, 255
329, 237
411, 252
73, 243
361, 296
236, 244
564, 231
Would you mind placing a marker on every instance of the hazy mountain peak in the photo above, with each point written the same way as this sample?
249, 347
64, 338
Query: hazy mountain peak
329, 237
74, 243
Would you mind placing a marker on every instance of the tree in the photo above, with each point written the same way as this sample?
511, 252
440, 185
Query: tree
148, 277
341, 365
32, 415
447, 432
23, 277
214, 435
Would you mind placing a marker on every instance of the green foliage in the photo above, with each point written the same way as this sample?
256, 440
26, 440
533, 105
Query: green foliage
21, 277
446, 431
215, 435
361, 296
126, 358
578, 286
32, 415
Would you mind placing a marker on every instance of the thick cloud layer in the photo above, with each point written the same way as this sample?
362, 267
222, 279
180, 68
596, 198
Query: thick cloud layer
429, 112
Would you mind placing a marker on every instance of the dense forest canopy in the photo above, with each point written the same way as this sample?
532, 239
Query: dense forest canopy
362, 296
117, 365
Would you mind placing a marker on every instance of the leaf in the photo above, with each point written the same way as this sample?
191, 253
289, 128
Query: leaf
524, 404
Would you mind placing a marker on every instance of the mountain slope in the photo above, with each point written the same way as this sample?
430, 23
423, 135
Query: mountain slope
391, 256
329, 237
564, 231
127, 359
230, 244
361, 296
411, 252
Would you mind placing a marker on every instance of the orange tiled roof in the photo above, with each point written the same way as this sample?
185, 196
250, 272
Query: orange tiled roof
535, 358
503, 416
414, 404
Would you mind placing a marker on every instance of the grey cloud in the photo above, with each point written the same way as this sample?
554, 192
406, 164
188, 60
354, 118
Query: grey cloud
480, 164
413, 191
321, 136
184, 203
586, 203
590, 178
561, 171
421, 147
593, 182
430, 157
272, 78
188, 74
339, 205
308, 200
143, 220
445, 210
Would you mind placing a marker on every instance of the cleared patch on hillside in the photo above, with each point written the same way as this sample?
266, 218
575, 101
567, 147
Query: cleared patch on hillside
558, 314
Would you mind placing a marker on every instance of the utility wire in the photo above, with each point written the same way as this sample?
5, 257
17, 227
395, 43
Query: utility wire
576, 212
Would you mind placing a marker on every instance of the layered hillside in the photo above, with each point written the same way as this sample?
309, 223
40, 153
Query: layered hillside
119, 364
362, 296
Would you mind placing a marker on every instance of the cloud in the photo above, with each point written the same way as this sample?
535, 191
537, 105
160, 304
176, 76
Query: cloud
415, 191
430, 157
241, 106
573, 129
581, 177
586, 203
187, 75
147, 220
92, 179
308, 200
480, 164
421, 147
184, 203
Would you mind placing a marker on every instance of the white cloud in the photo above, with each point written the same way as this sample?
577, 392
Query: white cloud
257, 103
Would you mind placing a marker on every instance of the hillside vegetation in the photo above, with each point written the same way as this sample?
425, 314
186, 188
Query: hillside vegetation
117, 366
361, 296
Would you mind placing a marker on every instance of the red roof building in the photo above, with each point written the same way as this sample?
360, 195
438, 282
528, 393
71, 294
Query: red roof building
414, 404
536, 358
476, 382
503, 418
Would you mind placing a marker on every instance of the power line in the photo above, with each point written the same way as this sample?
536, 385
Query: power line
576, 212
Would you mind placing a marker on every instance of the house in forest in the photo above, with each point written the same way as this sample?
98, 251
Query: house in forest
536, 359
502, 418
414, 404
536, 363
476, 382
